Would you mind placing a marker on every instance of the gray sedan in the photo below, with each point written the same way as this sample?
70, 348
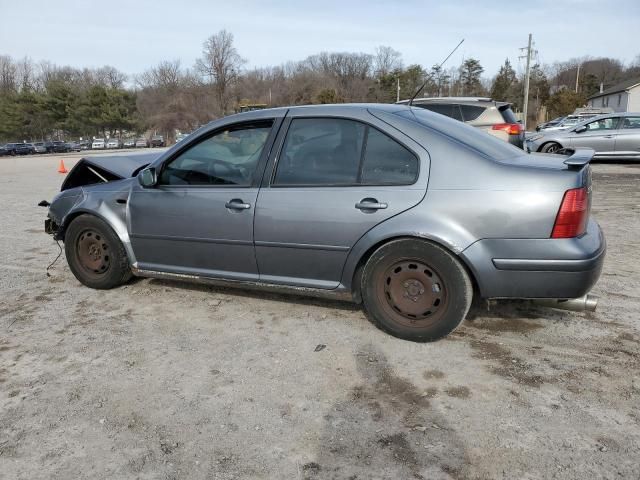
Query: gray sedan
612, 136
406, 211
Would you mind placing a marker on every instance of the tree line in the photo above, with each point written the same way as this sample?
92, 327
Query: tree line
46, 101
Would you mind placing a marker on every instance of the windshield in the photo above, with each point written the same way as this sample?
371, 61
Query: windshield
474, 138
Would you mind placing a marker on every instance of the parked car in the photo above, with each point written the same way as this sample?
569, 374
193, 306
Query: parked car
98, 144
612, 136
114, 143
495, 118
157, 141
398, 208
181, 136
77, 146
57, 146
40, 147
129, 143
31, 148
19, 148
4, 151
142, 143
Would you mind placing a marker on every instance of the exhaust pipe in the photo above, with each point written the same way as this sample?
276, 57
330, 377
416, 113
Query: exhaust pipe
585, 303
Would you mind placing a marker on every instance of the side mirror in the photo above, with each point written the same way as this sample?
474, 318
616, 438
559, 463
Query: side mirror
148, 177
581, 129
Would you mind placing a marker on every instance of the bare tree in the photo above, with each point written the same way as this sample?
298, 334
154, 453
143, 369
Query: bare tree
25, 74
221, 62
8, 75
167, 76
110, 77
386, 60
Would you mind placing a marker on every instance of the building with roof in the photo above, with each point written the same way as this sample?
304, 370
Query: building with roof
623, 97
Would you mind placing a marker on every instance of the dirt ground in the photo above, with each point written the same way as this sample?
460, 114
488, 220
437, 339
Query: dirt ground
159, 380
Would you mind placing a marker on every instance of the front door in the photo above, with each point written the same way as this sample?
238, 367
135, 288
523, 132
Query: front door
334, 179
599, 135
199, 218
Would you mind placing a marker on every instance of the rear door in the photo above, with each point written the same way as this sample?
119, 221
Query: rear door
628, 137
331, 180
599, 135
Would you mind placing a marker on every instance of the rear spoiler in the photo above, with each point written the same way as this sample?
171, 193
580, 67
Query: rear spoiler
578, 156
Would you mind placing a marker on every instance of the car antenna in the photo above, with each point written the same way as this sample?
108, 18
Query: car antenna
429, 75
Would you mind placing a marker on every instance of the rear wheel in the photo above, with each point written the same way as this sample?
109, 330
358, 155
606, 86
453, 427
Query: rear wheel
415, 290
95, 254
551, 147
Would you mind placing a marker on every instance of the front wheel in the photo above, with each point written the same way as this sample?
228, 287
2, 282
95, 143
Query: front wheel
415, 290
95, 254
551, 147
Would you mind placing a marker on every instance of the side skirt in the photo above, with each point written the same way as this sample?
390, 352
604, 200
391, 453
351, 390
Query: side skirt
335, 294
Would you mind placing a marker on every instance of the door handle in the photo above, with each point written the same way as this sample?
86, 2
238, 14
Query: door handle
608, 136
237, 204
370, 204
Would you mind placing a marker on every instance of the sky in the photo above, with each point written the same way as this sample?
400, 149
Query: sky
135, 35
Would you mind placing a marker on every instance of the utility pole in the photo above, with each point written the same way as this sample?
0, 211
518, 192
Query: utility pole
577, 77
398, 89
527, 76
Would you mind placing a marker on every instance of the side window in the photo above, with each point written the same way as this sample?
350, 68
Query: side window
321, 151
229, 157
456, 113
447, 109
441, 108
603, 124
630, 122
327, 151
386, 162
471, 112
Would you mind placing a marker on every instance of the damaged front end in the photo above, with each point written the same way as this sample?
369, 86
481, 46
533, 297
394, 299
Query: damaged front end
87, 173
92, 170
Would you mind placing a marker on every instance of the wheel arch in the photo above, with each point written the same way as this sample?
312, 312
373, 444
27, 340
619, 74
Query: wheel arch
362, 260
109, 218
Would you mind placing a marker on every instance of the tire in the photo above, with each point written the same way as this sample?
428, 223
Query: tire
415, 290
550, 147
95, 254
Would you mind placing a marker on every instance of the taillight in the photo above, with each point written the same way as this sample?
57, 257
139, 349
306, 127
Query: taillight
510, 128
573, 215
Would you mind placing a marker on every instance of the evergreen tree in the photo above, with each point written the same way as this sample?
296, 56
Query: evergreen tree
470, 73
503, 82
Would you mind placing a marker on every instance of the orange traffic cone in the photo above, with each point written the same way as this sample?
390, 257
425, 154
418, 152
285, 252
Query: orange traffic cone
61, 168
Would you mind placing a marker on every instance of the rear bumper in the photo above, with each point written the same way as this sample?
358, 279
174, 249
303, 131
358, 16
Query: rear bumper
538, 268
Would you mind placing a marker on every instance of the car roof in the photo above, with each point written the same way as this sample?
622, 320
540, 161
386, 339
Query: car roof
281, 111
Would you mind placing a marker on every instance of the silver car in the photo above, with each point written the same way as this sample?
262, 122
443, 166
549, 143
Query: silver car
612, 136
406, 211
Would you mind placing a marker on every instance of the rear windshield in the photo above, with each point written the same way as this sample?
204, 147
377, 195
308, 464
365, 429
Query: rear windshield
474, 138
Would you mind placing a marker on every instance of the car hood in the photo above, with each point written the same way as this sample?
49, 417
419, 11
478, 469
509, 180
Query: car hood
107, 168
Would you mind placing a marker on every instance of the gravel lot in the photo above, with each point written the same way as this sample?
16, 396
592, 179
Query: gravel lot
167, 380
